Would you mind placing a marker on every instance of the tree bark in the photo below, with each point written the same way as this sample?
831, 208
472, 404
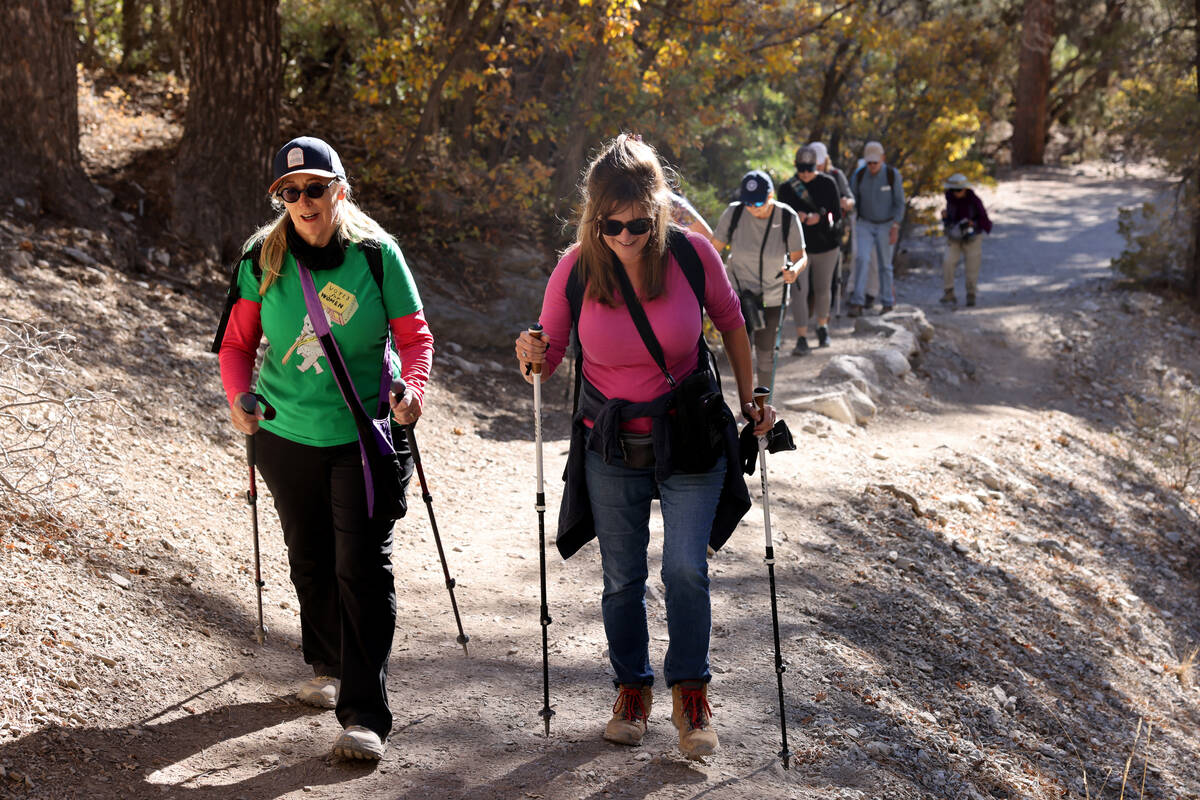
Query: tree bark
1196, 198
131, 31
39, 111
1033, 83
230, 127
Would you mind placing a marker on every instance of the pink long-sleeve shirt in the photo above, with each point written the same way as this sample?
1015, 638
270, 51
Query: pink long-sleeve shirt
615, 358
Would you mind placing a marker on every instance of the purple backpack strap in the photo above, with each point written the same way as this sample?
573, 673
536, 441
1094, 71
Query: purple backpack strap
320, 323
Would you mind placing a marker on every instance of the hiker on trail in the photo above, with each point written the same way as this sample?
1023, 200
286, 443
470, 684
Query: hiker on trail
308, 454
814, 196
964, 221
845, 227
628, 263
879, 197
766, 251
685, 215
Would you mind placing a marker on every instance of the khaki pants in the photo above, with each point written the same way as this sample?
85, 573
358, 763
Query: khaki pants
956, 250
820, 275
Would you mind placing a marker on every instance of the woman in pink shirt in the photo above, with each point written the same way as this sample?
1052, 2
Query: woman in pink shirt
626, 442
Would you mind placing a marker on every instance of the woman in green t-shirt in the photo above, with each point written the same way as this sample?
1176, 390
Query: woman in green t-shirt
340, 558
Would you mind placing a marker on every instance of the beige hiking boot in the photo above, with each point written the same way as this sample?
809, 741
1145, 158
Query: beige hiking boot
692, 716
319, 692
628, 723
357, 742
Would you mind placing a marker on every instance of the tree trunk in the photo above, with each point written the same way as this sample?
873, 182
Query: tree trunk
39, 111
1033, 83
230, 127
131, 31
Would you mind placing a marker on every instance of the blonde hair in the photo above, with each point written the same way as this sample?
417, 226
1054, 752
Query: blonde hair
626, 172
353, 225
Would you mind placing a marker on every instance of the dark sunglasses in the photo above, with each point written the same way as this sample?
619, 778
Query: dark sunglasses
759, 204
613, 227
290, 194
806, 168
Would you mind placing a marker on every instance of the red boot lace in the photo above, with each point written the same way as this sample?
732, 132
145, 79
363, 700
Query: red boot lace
629, 704
695, 707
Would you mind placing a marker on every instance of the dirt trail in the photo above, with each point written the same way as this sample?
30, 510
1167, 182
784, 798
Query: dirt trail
953, 654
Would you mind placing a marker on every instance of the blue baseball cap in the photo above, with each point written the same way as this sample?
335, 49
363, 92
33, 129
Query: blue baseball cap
309, 155
756, 185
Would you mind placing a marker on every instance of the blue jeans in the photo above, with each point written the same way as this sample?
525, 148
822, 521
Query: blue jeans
620, 498
870, 236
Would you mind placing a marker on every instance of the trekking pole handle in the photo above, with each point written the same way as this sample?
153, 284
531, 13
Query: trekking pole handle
250, 401
535, 330
760, 397
399, 387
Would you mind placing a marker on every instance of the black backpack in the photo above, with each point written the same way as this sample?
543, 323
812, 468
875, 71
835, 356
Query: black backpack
370, 248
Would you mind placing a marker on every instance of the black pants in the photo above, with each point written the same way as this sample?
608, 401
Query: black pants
341, 566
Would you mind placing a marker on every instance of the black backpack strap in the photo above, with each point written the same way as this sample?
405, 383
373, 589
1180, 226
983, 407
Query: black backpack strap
374, 253
787, 228
642, 322
689, 261
575, 301
231, 295
733, 223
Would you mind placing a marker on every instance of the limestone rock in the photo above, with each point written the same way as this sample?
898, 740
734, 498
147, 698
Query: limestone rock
859, 369
830, 404
891, 361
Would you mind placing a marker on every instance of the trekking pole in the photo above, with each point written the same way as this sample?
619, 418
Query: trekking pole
249, 403
398, 389
760, 400
540, 505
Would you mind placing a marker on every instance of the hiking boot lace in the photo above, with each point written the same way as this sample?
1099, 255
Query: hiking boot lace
695, 707
629, 704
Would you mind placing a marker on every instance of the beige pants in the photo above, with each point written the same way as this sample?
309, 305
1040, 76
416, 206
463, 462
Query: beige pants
820, 275
972, 252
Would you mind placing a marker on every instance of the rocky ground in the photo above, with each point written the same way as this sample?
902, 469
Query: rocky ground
987, 590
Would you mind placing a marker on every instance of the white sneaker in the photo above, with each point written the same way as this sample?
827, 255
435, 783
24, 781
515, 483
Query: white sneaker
320, 692
359, 742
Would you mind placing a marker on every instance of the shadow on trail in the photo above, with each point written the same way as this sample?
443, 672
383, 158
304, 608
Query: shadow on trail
915, 661
123, 762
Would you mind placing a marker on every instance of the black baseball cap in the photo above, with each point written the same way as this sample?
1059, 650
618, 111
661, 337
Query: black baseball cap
309, 155
756, 185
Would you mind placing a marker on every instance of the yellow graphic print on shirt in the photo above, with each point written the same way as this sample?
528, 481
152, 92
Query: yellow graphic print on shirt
339, 306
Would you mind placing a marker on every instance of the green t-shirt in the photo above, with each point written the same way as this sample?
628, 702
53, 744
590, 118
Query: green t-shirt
295, 376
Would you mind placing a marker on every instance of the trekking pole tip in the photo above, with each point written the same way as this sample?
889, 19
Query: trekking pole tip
463, 639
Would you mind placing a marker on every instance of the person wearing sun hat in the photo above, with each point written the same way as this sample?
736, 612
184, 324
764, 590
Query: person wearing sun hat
308, 453
963, 220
